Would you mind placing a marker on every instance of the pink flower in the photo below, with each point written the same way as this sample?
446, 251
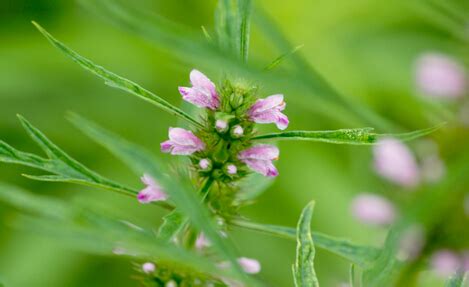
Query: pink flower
269, 110
148, 267
440, 76
411, 243
373, 209
202, 241
259, 158
250, 266
203, 92
445, 262
181, 142
153, 191
395, 162
231, 169
205, 164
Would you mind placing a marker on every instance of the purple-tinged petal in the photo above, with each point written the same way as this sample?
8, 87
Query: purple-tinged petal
202, 241
373, 209
261, 152
250, 266
445, 262
231, 169
166, 146
204, 163
203, 93
148, 267
199, 80
394, 161
152, 192
269, 110
282, 121
438, 75
264, 167
269, 103
182, 142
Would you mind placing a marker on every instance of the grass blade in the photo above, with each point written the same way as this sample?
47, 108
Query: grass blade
116, 81
244, 11
360, 136
303, 269
360, 255
282, 57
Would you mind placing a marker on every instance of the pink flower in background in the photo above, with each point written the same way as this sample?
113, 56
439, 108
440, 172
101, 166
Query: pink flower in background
203, 93
373, 209
181, 142
440, 76
445, 262
148, 267
394, 161
259, 158
202, 241
466, 204
269, 110
152, 191
250, 266
411, 243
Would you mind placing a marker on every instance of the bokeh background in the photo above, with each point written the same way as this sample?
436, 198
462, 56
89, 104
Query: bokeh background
366, 49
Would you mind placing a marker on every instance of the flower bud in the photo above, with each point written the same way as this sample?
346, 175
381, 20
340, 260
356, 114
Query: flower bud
237, 131
205, 164
148, 267
236, 100
231, 169
221, 126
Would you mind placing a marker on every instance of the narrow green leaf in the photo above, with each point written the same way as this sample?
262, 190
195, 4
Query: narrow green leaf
352, 275
360, 136
63, 166
172, 224
457, 280
282, 57
116, 81
184, 197
303, 269
244, 11
358, 254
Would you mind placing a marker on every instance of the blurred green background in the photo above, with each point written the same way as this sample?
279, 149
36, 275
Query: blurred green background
365, 48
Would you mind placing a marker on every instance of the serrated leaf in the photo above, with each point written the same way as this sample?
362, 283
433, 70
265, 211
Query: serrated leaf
117, 81
360, 136
358, 254
303, 269
59, 163
184, 196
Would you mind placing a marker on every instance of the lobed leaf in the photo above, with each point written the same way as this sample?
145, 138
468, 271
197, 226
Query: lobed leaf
358, 254
63, 167
303, 269
117, 81
360, 136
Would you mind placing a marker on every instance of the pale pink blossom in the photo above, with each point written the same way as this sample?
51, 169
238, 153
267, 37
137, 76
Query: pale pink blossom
237, 131
269, 110
203, 93
438, 75
148, 267
373, 209
445, 262
181, 142
394, 161
231, 169
204, 163
202, 241
259, 158
221, 125
152, 192
250, 266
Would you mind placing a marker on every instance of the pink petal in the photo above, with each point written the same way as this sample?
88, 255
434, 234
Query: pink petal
148, 267
199, 80
202, 241
261, 152
268, 103
150, 194
166, 146
250, 266
282, 121
445, 262
264, 167
373, 209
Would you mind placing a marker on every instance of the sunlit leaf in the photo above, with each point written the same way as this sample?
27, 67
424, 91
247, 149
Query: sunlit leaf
303, 269
360, 136
360, 255
116, 81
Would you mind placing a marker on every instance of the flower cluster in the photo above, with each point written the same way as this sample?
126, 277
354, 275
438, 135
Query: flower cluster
223, 149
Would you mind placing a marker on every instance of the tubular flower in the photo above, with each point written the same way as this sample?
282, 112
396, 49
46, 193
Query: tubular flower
152, 191
181, 142
259, 158
203, 93
269, 110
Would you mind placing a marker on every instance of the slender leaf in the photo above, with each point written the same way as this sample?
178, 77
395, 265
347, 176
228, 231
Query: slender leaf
244, 11
172, 224
116, 81
360, 136
59, 163
282, 57
352, 275
457, 280
303, 269
184, 197
360, 255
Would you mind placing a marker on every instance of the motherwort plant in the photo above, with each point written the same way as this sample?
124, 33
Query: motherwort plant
228, 163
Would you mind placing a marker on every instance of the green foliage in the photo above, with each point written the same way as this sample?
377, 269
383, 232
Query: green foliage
116, 81
360, 136
253, 186
303, 269
361, 255
63, 166
457, 280
282, 57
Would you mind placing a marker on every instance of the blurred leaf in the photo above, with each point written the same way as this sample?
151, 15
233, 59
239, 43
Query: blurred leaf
81, 228
253, 186
360, 136
184, 197
352, 275
303, 269
65, 168
116, 81
457, 280
360, 255
172, 224
282, 57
